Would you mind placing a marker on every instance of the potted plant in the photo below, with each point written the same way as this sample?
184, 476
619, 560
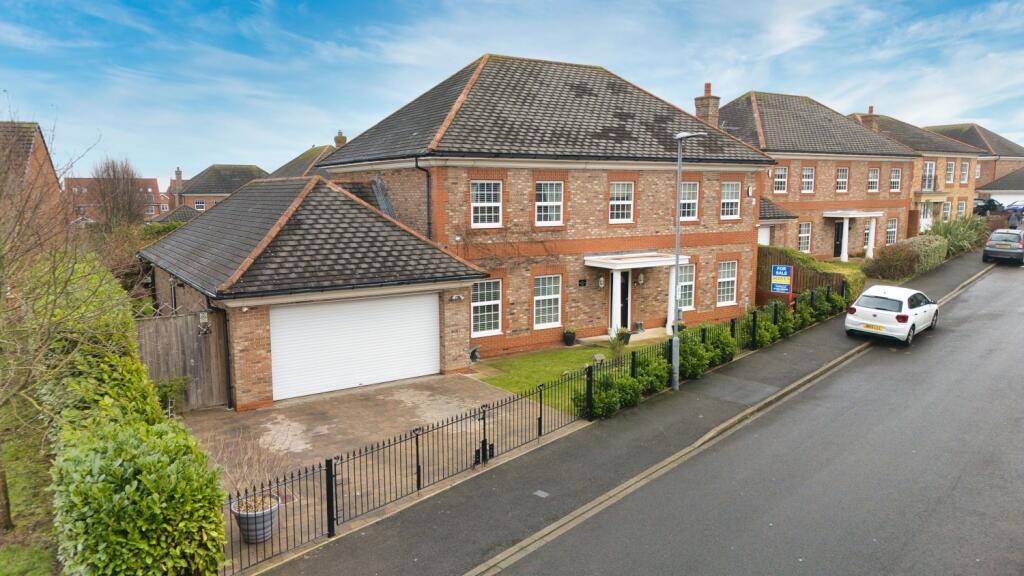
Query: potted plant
244, 457
623, 334
256, 515
569, 335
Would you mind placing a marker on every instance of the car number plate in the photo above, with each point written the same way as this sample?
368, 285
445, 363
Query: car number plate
873, 327
1002, 245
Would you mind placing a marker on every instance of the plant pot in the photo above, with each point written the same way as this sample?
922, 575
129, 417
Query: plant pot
624, 337
569, 338
256, 526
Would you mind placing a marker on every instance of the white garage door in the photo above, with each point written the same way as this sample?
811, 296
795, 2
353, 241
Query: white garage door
324, 346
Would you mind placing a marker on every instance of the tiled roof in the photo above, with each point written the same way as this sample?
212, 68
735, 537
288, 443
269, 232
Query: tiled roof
299, 235
501, 106
180, 214
789, 123
304, 164
16, 142
1012, 181
772, 211
222, 179
909, 135
981, 137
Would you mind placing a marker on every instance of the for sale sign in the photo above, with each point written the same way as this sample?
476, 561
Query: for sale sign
782, 279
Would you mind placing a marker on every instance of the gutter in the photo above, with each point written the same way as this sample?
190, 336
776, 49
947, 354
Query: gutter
471, 154
426, 174
386, 284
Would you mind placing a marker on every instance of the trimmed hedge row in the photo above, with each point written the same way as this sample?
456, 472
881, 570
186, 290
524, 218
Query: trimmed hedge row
908, 258
614, 391
133, 492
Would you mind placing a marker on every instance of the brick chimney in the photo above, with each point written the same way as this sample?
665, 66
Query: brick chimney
340, 139
177, 186
871, 121
707, 106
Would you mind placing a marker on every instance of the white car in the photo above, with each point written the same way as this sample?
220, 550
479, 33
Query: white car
892, 312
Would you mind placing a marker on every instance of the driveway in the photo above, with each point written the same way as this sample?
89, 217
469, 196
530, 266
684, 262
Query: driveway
304, 431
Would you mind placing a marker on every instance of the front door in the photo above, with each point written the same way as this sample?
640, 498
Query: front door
624, 278
926, 216
837, 246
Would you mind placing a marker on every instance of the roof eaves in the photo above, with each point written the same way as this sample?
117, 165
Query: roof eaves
308, 290
761, 141
458, 103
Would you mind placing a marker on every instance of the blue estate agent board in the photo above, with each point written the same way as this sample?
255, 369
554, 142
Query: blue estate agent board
782, 279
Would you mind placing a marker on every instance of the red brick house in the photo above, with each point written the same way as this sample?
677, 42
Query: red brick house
82, 193
320, 290
849, 187
211, 186
1001, 155
559, 180
31, 184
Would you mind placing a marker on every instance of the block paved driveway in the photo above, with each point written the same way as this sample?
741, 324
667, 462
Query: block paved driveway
304, 431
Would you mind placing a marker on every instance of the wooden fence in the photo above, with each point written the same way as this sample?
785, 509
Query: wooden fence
804, 278
191, 346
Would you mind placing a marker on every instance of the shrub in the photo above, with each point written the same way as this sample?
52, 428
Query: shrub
932, 252
721, 345
617, 347
908, 258
630, 390
694, 358
787, 321
822, 305
961, 234
653, 373
606, 398
131, 498
804, 315
171, 393
766, 331
837, 302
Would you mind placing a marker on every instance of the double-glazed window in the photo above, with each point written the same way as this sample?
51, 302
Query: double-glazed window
977, 170
950, 169
485, 203
803, 239
873, 177
486, 303
547, 301
686, 277
928, 177
781, 179
965, 169
200, 205
548, 203
620, 203
164, 207
890, 231
961, 208
727, 283
150, 209
688, 201
947, 207
807, 180
895, 179
730, 200
867, 233
842, 179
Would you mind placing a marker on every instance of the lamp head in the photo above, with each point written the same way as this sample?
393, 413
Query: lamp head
685, 135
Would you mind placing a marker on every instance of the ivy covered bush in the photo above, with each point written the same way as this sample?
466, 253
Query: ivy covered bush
653, 373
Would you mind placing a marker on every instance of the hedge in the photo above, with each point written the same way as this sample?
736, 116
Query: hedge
855, 277
908, 258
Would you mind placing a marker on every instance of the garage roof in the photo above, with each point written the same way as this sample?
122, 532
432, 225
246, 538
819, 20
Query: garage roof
295, 235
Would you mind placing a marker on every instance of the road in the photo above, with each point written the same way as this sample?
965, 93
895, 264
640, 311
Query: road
904, 461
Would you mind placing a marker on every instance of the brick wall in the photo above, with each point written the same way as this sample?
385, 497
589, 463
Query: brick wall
191, 200
406, 189
188, 299
999, 168
455, 326
251, 379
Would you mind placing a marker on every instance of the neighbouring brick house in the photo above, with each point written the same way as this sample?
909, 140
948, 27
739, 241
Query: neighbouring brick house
211, 186
1008, 189
1001, 155
82, 192
849, 187
945, 189
179, 214
320, 290
30, 183
559, 180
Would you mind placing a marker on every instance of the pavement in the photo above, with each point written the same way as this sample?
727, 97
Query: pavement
456, 530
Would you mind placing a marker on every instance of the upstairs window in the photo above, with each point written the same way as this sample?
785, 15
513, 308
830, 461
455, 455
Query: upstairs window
803, 239
620, 204
688, 201
928, 177
548, 203
150, 210
807, 180
164, 207
485, 203
200, 205
895, 179
781, 179
950, 169
730, 200
486, 296
547, 301
873, 176
842, 179
965, 170
977, 170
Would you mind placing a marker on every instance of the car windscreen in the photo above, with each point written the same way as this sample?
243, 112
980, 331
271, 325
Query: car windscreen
879, 303
1004, 237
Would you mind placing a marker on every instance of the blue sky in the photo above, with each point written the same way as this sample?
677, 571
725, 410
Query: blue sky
194, 83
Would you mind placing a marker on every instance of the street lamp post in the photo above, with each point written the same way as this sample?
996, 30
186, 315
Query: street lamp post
680, 138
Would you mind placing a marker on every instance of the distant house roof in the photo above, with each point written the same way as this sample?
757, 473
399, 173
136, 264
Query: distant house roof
304, 164
981, 137
789, 123
16, 142
1013, 181
180, 214
771, 211
909, 135
293, 235
221, 179
501, 106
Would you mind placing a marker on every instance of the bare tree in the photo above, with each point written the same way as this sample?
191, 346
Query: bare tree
118, 193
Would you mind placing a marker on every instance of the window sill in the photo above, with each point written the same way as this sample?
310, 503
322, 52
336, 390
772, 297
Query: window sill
548, 224
547, 326
620, 222
484, 227
807, 191
725, 304
782, 192
485, 334
729, 217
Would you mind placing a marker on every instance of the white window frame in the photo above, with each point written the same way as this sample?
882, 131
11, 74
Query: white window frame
476, 304
890, 231
961, 208
804, 180
842, 179
199, 205
150, 210
947, 210
874, 179
557, 187
490, 204
895, 179
165, 207
686, 281
977, 170
613, 202
867, 233
728, 205
781, 175
950, 171
727, 282
965, 171
928, 177
687, 203
557, 298
801, 235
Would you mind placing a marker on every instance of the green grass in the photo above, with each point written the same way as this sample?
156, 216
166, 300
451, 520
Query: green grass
27, 560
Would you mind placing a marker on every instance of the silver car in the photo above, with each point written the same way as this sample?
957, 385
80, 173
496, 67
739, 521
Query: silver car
1005, 244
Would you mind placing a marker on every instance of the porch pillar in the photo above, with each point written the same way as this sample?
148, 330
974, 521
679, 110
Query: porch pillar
616, 301
869, 250
844, 255
673, 293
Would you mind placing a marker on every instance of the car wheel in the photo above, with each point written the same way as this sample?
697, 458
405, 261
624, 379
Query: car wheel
935, 321
851, 333
984, 258
910, 338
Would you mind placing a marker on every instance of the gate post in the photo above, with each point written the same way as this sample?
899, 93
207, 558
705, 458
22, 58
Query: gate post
632, 364
419, 468
540, 410
331, 510
753, 330
590, 392
484, 456
732, 327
